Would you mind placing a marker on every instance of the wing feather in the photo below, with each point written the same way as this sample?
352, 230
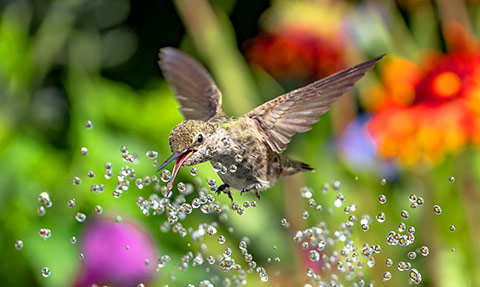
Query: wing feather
296, 111
195, 90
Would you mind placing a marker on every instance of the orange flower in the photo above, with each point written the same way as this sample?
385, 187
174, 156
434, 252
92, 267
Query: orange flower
423, 112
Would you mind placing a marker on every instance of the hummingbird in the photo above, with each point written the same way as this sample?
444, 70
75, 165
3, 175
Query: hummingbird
245, 151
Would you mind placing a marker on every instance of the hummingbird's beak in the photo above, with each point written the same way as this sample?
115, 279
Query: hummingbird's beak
181, 158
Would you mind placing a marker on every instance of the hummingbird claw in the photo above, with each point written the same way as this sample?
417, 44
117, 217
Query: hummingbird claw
225, 188
249, 187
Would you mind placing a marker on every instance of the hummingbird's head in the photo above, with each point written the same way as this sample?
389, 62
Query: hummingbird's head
189, 141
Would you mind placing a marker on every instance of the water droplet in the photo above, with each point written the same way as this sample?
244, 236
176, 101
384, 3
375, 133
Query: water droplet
381, 217
88, 124
84, 151
336, 185
91, 174
76, 180
284, 222
108, 165
305, 215
386, 276
238, 158
151, 154
98, 209
45, 272
412, 197
415, 276
45, 233
80, 217
314, 255
81, 256
382, 199
165, 175
371, 262
41, 210
383, 181
73, 240
389, 262
424, 251
412, 255
227, 252
452, 228
123, 149
19, 244
221, 239
365, 227
451, 179
71, 203
194, 171
181, 187
437, 210
232, 168
420, 201
404, 214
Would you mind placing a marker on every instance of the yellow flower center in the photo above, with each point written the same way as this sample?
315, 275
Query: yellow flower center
446, 84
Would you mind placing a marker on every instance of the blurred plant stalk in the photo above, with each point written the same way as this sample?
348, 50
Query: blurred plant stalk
215, 43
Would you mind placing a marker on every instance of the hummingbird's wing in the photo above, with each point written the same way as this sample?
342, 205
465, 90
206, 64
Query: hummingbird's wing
297, 110
195, 90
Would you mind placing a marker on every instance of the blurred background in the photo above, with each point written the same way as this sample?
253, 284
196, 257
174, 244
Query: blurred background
409, 132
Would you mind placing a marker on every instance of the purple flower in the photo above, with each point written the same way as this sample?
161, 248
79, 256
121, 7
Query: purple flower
118, 254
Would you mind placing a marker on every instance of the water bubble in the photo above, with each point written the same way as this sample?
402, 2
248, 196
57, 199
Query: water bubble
108, 174
284, 222
45, 233
232, 168
314, 255
151, 154
73, 240
411, 229
41, 210
227, 252
223, 170
383, 181
381, 217
91, 174
194, 171
172, 219
389, 262
371, 262
412, 255
88, 124
221, 239
424, 251
365, 227
80, 217
211, 230
84, 151
238, 158
305, 215
412, 197
19, 244
181, 187
386, 276
71, 203
98, 209
108, 165
76, 180
336, 185
117, 193
382, 199
451, 179
45, 272
420, 201
415, 276
81, 256
437, 210
123, 149
165, 175
404, 214
452, 228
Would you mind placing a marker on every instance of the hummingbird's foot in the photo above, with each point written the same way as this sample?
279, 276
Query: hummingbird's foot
225, 188
249, 187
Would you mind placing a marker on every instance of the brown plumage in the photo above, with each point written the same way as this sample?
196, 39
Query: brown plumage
258, 137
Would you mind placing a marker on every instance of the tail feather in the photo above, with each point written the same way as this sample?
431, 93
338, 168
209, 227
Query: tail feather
290, 166
304, 166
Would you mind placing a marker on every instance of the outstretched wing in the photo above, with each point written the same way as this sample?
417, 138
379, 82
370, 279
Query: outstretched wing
297, 110
195, 90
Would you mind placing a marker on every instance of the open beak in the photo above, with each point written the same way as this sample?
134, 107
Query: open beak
181, 157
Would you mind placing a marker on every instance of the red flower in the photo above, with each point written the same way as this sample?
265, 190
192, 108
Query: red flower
422, 112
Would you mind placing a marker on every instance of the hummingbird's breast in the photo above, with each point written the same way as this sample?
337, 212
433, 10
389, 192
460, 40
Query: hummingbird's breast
240, 156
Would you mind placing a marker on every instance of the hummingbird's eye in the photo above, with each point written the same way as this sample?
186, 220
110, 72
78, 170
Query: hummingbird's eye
200, 138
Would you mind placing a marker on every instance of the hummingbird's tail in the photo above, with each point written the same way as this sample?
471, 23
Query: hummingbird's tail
291, 166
